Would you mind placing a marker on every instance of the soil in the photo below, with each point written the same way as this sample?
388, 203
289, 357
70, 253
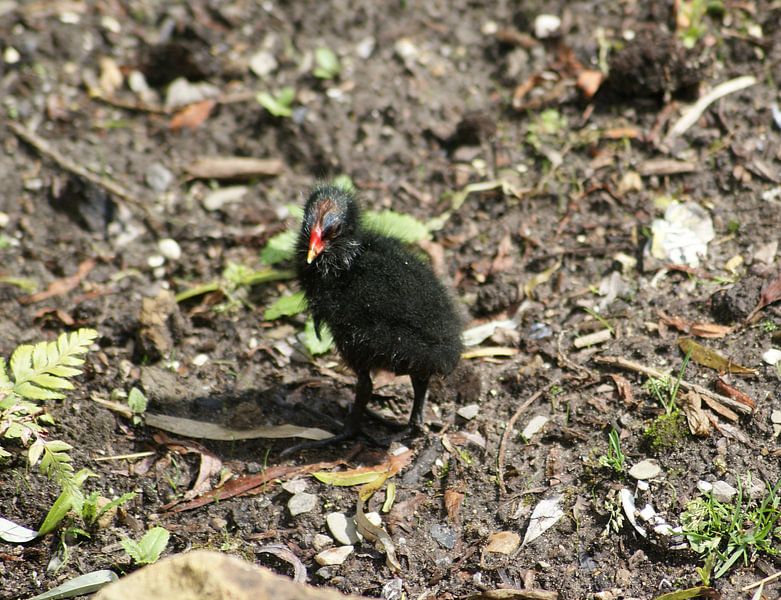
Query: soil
431, 97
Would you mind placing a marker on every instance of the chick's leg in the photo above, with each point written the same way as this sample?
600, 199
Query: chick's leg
420, 387
363, 393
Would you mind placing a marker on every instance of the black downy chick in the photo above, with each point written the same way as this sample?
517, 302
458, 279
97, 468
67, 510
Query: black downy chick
384, 306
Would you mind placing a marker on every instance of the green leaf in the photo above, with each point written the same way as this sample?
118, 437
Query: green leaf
21, 361
52, 382
28, 390
279, 104
149, 548
286, 306
350, 478
403, 227
310, 341
327, 63
279, 248
137, 401
57, 512
344, 182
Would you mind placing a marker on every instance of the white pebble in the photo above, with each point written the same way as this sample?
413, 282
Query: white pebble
772, 356
469, 411
723, 492
333, 556
342, 528
155, 261
320, 542
200, 360
645, 469
294, 486
263, 63
170, 249
11, 55
301, 503
219, 198
365, 47
546, 26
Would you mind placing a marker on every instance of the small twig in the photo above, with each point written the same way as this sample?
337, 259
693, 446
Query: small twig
767, 579
694, 112
506, 436
43, 147
623, 363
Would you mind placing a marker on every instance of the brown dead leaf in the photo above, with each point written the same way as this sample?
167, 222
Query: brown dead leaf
453, 502
57, 313
619, 133
589, 81
210, 462
707, 357
710, 330
719, 408
249, 485
624, 388
691, 404
192, 116
58, 287
770, 293
503, 259
233, 167
731, 392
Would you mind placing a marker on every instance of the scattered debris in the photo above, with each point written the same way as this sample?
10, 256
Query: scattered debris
683, 235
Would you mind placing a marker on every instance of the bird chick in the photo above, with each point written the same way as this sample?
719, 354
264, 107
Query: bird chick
384, 306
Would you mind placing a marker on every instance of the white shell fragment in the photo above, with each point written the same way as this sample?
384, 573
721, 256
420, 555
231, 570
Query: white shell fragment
333, 556
682, 236
534, 426
545, 515
772, 356
546, 26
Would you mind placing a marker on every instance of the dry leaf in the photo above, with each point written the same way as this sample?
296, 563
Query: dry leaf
378, 535
691, 404
192, 116
544, 516
771, 293
624, 388
453, 502
62, 286
707, 357
589, 81
724, 388
710, 330
215, 431
503, 542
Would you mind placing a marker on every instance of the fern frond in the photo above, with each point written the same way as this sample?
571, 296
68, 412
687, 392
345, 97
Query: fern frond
40, 370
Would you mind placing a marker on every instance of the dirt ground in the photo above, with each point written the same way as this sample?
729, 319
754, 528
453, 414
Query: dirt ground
432, 97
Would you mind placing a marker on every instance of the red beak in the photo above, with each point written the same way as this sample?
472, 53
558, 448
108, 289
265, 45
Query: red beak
316, 244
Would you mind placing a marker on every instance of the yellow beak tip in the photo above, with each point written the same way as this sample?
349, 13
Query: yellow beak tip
310, 257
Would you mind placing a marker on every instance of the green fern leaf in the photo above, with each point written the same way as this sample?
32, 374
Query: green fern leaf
63, 371
32, 392
41, 369
52, 382
4, 380
21, 362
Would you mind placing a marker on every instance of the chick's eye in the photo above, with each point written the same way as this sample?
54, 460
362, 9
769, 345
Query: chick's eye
331, 231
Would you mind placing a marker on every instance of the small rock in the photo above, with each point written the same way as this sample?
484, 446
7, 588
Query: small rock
263, 63
181, 93
200, 359
469, 411
534, 426
393, 590
156, 260
158, 178
772, 356
723, 492
503, 542
301, 503
405, 49
11, 55
4, 220
342, 528
775, 418
294, 486
704, 486
320, 542
645, 469
365, 47
333, 556
443, 535
170, 249
546, 26
219, 198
